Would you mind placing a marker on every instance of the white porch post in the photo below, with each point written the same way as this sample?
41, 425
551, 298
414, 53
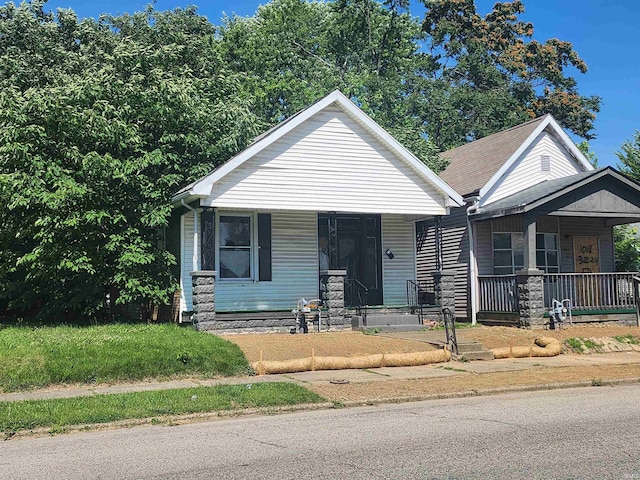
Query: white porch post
473, 273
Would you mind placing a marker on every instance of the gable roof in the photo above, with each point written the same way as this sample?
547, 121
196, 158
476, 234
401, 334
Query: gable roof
202, 187
476, 166
546, 191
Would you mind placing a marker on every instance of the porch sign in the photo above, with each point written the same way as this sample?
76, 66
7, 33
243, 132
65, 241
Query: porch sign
586, 259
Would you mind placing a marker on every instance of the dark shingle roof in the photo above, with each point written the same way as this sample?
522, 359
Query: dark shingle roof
472, 165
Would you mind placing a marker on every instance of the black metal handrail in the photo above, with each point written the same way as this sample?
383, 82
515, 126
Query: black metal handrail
355, 295
449, 320
420, 294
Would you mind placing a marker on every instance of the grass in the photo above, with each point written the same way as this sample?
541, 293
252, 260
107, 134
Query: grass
59, 413
591, 345
38, 357
629, 339
575, 344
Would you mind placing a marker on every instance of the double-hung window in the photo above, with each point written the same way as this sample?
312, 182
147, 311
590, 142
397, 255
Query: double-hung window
235, 246
547, 252
508, 252
244, 246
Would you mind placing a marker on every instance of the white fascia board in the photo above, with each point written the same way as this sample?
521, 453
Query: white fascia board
582, 160
405, 154
203, 186
547, 122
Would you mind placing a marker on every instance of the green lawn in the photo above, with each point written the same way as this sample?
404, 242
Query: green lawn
38, 357
58, 413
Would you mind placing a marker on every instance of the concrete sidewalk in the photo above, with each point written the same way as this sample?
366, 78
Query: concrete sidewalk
439, 370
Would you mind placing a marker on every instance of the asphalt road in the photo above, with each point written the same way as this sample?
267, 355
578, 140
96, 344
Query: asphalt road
577, 433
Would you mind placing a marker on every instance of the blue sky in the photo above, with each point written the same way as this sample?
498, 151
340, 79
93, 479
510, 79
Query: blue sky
604, 33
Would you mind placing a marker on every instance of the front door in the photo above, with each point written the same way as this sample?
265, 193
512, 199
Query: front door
359, 252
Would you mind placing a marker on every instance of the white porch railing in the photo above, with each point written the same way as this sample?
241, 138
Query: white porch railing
591, 291
498, 293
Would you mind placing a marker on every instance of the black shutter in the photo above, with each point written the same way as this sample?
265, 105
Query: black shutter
208, 239
264, 247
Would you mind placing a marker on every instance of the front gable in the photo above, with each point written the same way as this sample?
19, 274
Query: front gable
545, 158
328, 163
605, 197
329, 157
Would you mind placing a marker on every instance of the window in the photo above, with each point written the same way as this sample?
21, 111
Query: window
236, 246
547, 252
508, 253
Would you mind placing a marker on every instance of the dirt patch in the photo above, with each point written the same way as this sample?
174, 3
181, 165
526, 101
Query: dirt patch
277, 346
495, 337
399, 389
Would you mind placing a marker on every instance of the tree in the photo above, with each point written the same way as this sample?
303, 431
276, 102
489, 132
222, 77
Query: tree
294, 52
100, 123
492, 74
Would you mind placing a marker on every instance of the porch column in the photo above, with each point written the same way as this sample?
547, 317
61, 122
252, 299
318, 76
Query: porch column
334, 295
445, 289
333, 240
529, 243
207, 239
203, 298
531, 298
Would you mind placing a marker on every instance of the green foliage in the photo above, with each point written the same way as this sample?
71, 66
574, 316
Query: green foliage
630, 157
629, 339
627, 248
101, 122
58, 413
37, 357
491, 73
575, 344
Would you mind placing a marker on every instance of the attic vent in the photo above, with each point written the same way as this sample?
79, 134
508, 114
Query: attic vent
545, 163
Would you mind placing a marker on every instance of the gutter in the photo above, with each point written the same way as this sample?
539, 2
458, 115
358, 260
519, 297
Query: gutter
473, 274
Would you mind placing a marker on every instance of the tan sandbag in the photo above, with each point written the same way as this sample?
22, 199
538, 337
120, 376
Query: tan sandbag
366, 361
501, 352
357, 362
543, 347
415, 358
288, 366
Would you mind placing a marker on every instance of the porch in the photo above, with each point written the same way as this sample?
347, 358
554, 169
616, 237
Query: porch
587, 296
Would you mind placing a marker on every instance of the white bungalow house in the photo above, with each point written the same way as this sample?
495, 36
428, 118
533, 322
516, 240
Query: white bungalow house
326, 193
537, 226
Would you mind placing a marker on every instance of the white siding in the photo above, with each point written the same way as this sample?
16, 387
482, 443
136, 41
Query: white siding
328, 163
399, 236
526, 171
294, 242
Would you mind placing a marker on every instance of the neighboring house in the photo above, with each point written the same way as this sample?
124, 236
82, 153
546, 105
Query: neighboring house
327, 194
537, 226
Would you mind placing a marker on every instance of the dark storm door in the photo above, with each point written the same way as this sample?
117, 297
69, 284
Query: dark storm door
359, 252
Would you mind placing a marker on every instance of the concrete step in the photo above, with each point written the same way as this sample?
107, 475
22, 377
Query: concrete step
480, 355
471, 350
395, 328
466, 346
374, 320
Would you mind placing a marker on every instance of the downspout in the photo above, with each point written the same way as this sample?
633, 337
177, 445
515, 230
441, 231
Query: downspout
473, 274
195, 233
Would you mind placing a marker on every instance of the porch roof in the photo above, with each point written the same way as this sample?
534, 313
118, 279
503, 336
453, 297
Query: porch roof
604, 192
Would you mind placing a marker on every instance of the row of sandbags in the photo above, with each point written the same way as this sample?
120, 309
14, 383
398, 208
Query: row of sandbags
542, 347
358, 362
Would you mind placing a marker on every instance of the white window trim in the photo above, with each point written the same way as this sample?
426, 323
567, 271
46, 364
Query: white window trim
253, 250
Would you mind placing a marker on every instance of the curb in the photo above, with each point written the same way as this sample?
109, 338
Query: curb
173, 420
